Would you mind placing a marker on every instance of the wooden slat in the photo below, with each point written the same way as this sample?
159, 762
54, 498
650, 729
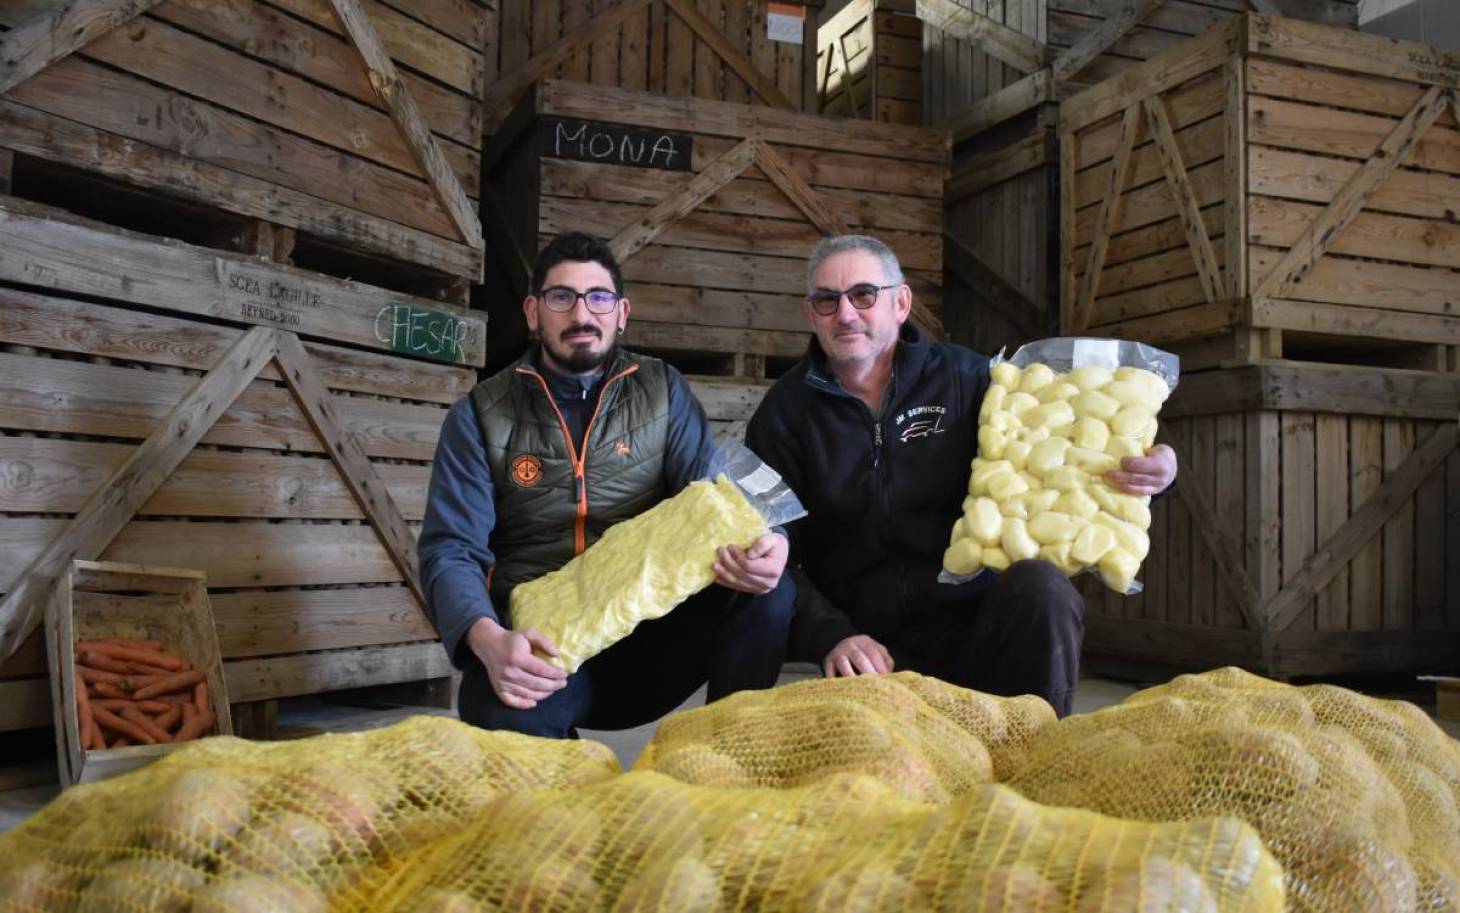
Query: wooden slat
1199, 478
775, 167
1298, 507
680, 337
1398, 532
1330, 510
711, 35
1371, 284
407, 116
288, 676
1069, 64
1283, 223
1366, 474
1316, 240
1429, 552
1182, 533
113, 504
1013, 305
44, 136
45, 38
1352, 321
831, 167
788, 128
728, 400
1134, 274
67, 325
48, 248
505, 94
1318, 179
1186, 205
1187, 105
980, 171
1006, 103
634, 237
56, 476
1264, 517
253, 623
349, 457
994, 38
717, 307
1336, 132
1221, 545
1318, 86
1228, 509
1161, 642
1153, 203
1106, 221
1158, 239
1365, 522
1376, 55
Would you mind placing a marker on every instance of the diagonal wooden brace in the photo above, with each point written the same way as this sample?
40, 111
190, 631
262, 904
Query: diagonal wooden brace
635, 237
1186, 206
47, 37
711, 35
999, 41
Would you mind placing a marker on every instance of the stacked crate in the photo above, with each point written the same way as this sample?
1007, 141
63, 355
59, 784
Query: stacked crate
713, 208
1275, 200
226, 238
869, 62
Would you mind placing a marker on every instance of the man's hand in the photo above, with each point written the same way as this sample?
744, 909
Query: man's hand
857, 655
519, 678
1147, 475
752, 570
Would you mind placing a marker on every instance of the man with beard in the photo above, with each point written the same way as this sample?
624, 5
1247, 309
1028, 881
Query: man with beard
532, 466
875, 430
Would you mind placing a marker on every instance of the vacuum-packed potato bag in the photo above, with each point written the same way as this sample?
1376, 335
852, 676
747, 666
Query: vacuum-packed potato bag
1056, 418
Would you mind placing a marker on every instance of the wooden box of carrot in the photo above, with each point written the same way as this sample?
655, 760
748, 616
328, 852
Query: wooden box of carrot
135, 666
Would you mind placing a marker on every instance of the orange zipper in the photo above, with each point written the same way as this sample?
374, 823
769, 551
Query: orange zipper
580, 481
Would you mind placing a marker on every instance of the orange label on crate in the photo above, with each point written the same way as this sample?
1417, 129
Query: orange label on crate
785, 22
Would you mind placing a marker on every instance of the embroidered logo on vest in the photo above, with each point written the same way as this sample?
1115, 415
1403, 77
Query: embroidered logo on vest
621, 448
526, 470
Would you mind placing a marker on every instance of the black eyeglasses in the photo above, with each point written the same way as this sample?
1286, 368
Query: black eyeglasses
562, 299
862, 295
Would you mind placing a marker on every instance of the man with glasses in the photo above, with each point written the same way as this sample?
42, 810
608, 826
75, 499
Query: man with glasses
531, 468
875, 430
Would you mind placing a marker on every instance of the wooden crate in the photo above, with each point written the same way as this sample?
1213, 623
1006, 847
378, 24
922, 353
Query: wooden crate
869, 62
714, 256
202, 433
355, 123
729, 402
97, 599
712, 49
1001, 216
1314, 529
1271, 189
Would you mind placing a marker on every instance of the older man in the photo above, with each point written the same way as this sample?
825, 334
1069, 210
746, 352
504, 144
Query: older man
875, 430
532, 466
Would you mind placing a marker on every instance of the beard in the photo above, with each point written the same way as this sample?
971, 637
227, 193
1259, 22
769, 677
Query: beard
579, 358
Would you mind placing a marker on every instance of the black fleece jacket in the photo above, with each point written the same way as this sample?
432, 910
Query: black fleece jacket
882, 492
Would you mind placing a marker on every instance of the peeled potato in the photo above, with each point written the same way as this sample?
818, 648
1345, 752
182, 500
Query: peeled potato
1039, 486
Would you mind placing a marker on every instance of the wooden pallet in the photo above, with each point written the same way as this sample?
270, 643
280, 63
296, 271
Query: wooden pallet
1271, 189
713, 256
354, 123
1312, 530
166, 404
711, 49
869, 62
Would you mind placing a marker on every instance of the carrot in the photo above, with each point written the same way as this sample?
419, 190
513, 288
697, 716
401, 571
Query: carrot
171, 683
102, 662
122, 726
200, 724
171, 717
83, 710
100, 675
107, 690
133, 715
115, 704
149, 657
121, 742
200, 696
154, 646
145, 669
98, 741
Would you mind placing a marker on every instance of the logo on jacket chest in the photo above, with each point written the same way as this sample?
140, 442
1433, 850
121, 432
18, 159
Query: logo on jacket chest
920, 421
526, 470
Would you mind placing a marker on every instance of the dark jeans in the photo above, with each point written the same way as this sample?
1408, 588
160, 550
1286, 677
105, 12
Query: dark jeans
731, 640
1022, 636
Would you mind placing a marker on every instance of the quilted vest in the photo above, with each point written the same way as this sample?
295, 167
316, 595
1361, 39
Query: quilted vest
551, 501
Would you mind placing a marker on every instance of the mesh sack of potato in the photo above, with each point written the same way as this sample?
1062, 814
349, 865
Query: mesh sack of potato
644, 841
1356, 797
1057, 416
233, 826
927, 740
645, 566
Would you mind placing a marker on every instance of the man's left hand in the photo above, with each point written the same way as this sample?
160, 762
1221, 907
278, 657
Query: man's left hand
1147, 475
756, 569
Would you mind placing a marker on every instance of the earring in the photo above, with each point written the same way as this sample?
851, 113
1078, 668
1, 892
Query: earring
621, 330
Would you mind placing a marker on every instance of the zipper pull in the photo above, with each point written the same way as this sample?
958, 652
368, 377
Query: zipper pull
577, 487
876, 444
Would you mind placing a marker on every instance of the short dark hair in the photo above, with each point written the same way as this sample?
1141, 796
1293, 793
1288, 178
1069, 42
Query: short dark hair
576, 247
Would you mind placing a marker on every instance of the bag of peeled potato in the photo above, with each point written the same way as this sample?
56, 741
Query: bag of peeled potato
643, 567
1058, 415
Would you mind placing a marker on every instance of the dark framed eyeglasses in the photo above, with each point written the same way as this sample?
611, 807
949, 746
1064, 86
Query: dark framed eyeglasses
562, 299
862, 295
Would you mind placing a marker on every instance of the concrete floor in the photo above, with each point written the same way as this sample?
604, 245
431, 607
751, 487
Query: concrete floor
306, 717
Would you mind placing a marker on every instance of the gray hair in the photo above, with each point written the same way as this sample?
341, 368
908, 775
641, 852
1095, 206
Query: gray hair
840, 244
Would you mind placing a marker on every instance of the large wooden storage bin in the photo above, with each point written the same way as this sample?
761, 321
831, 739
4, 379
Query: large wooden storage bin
1314, 529
265, 108
869, 62
714, 256
714, 49
306, 595
1271, 189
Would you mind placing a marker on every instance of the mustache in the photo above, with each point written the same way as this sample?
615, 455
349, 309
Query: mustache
580, 328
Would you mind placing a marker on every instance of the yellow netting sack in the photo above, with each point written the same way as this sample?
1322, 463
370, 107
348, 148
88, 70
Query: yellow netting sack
640, 569
225, 824
1358, 798
926, 739
645, 842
